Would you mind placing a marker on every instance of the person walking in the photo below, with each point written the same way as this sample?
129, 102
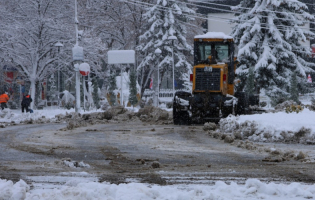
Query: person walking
26, 101
4, 98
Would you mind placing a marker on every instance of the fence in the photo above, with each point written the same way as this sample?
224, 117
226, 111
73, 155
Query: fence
165, 95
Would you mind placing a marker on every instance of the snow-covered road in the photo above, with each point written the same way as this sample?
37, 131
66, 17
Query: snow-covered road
192, 165
147, 160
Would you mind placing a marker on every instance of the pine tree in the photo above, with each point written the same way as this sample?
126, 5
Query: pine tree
133, 88
294, 88
269, 35
112, 87
250, 82
96, 98
166, 18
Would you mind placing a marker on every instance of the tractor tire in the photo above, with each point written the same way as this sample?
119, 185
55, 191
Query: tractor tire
243, 103
176, 117
183, 95
185, 119
253, 100
181, 117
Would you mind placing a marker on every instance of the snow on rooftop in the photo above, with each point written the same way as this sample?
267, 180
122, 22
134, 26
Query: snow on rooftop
219, 35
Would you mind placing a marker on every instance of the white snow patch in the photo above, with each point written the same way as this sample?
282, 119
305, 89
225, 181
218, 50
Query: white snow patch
73, 190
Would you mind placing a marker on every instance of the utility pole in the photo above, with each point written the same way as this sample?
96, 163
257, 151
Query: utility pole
78, 57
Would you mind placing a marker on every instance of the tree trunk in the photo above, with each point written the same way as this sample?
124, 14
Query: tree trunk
32, 92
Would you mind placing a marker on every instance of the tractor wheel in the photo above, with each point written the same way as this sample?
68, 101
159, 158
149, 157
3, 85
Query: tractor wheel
243, 103
185, 119
183, 95
181, 117
176, 117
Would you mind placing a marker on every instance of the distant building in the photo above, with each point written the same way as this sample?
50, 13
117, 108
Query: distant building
218, 15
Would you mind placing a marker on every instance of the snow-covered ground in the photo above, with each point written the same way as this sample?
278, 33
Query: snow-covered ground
275, 123
274, 126
270, 127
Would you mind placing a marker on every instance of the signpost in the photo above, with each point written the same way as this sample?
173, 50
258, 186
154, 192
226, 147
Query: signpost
121, 57
77, 53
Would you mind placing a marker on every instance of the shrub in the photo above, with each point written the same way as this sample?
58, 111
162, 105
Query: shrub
293, 108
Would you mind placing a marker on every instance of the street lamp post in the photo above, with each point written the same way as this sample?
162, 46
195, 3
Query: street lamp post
77, 87
58, 45
157, 52
78, 57
173, 38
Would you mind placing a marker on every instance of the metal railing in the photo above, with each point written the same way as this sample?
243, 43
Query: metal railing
163, 92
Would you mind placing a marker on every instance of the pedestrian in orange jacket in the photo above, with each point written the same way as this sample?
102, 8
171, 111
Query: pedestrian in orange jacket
4, 98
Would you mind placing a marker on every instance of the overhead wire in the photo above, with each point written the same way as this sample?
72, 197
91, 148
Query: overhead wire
217, 4
163, 9
233, 11
186, 14
200, 1
149, 5
229, 11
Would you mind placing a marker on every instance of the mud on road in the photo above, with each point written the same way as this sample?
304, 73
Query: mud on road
121, 151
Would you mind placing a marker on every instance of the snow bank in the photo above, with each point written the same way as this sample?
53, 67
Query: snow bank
268, 127
76, 190
39, 116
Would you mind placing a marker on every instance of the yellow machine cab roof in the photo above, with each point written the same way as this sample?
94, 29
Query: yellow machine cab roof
213, 36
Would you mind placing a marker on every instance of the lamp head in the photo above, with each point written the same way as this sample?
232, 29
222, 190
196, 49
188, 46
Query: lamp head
58, 44
172, 38
157, 51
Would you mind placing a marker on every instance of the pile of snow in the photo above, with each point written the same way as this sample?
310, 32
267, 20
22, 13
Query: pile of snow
9, 116
73, 190
272, 127
83, 118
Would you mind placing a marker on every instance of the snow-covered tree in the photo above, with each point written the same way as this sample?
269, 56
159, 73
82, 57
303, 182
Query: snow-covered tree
269, 34
109, 25
294, 93
53, 88
112, 87
166, 18
32, 28
250, 82
133, 88
96, 98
